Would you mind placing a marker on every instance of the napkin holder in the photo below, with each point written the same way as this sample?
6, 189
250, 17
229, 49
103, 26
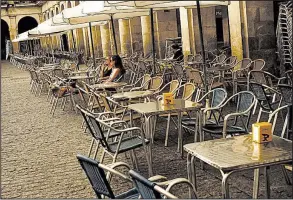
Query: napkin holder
168, 99
262, 132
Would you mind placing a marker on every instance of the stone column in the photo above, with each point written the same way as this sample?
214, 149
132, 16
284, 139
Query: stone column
125, 36
86, 41
98, 42
186, 19
235, 29
79, 38
105, 36
146, 34
13, 33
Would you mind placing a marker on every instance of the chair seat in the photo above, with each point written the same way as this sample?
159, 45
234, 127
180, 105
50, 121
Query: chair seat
127, 144
189, 122
217, 84
218, 129
130, 194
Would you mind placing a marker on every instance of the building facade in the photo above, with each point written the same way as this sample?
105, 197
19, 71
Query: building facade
247, 26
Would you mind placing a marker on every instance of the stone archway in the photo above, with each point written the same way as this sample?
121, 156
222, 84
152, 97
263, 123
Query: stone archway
25, 24
4, 37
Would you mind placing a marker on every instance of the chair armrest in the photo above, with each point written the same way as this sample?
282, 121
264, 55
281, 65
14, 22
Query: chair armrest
226, 121
157, 177
205, 110
115, 172
177, 181
119, 164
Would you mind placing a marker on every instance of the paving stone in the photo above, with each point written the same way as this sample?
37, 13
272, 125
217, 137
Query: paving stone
38, 152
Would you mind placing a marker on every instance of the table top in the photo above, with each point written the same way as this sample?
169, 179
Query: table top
240, 152
153, 108
132, 95
80, 77
108, 85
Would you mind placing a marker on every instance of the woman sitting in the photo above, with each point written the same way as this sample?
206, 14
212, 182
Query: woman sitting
117, 69
106, 69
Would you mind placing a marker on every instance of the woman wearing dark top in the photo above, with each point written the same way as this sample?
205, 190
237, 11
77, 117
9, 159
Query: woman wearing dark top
178, 55
117, 69
107, 69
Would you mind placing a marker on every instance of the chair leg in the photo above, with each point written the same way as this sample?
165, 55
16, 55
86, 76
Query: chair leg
259, 115
91, 147
97, 149
102, 156
55, 106
287, 179
53, 102
255, 106
167, 130
134, 159
267, 182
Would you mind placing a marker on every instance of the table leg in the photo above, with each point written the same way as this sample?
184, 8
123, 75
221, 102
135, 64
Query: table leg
255, 183
148, 136
267, 182
225, 185
180, 142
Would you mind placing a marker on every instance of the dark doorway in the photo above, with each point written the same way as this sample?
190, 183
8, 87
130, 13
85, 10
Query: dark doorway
4, 37
65, 42
25, 24
178, 22
219, 27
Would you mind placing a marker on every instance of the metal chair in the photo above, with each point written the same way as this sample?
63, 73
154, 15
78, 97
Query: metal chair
187, 94
266, 97
150, 190
96, 175
125, 140
213, 99
258, 64
220, 126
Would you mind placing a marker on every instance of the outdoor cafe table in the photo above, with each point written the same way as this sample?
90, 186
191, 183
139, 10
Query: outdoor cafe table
238, 153
131, 95
108, 85
147, 110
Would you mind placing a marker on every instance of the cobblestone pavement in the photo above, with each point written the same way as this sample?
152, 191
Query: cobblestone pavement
38, 152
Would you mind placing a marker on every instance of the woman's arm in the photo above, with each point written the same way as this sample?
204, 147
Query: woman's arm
113, 75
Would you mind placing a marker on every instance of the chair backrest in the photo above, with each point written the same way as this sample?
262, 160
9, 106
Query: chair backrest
197, 58
178, 69
94, 126
231, 60
276, 113
221, 58
96, 176
34, 75
243, 64
59, 73
219, 95
190, 58
105, 101
188, 90
156, 83
174, 84
144, 187
258, 64
259, 77
146, 81
195, 77
245, 102
259, 90
286, 93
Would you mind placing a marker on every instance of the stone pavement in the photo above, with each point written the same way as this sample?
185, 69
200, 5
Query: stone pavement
38, 152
